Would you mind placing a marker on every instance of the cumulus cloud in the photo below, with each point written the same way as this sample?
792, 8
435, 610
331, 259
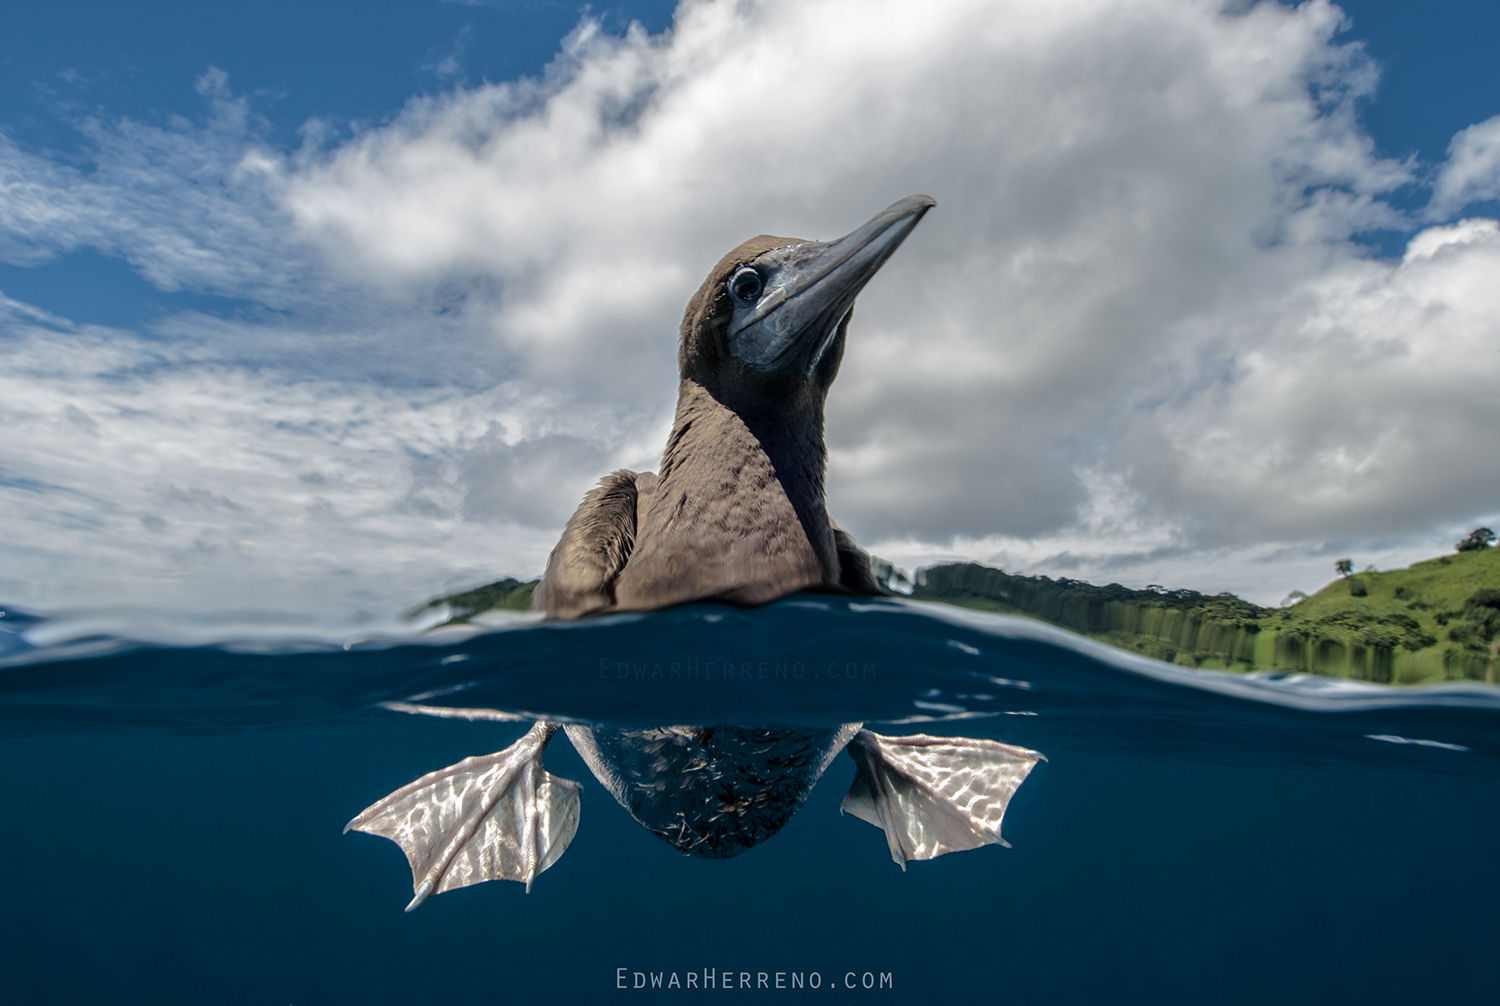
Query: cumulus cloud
136, 476
1136, 338
1472, 173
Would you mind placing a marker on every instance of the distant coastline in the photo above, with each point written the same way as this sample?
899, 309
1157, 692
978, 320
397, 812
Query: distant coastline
1433, 621
1436, 620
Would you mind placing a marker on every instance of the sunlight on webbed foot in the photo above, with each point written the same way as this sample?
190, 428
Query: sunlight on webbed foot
490, 817
935, 795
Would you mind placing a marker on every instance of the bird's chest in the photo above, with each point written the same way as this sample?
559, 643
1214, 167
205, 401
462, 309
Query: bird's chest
729, 528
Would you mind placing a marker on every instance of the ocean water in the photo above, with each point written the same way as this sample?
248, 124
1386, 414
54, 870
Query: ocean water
173, 815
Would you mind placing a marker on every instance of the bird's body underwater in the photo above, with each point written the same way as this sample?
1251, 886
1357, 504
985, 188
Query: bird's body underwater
736, 515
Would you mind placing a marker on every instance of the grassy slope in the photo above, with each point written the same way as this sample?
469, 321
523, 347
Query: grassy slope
1412, 625
1417, 616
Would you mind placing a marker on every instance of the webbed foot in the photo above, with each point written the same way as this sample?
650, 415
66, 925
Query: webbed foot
490, 817
935, 795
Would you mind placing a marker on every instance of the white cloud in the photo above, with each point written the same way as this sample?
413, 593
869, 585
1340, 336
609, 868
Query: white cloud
142, 479
188, 206
1133, 341
1355, 405
1472, 172
1433, 240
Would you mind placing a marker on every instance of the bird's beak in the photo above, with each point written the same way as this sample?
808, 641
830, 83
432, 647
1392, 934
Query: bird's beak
810, 287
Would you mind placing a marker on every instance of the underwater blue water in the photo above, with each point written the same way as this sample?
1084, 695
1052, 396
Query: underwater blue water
171, 831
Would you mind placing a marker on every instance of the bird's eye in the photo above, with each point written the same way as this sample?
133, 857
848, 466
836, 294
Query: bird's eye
745, 286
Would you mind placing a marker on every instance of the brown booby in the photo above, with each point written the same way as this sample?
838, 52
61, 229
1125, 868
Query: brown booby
736, 514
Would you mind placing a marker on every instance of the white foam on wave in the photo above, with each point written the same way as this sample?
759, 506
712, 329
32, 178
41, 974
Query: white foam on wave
1394, 739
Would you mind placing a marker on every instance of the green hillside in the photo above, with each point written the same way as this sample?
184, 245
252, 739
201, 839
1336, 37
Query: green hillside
1433, 621
508, 594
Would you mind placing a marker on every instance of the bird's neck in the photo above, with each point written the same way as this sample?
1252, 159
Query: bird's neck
744, 440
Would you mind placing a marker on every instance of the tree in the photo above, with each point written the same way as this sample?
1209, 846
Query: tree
1479, 538
1344, 566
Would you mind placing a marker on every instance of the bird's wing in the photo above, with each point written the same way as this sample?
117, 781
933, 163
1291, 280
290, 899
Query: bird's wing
855, 573
935, 795
595, 546
493, 817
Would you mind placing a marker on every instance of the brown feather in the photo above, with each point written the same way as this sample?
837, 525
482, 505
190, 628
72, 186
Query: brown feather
595, 546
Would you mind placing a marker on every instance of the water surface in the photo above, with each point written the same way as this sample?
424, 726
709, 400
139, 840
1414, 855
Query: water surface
173, 827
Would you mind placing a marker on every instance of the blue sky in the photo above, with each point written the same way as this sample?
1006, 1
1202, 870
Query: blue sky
344, 64
314, 309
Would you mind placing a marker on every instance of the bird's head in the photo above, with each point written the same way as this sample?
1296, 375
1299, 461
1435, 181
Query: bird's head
768, 324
